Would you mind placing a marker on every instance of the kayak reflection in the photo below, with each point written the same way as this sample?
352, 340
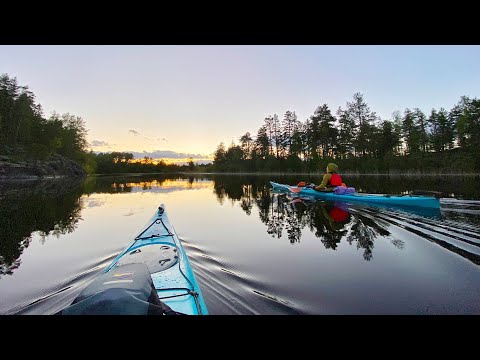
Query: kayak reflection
330, 222
326, 219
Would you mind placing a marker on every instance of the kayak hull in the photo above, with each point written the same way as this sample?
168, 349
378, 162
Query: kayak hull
407, 200
157, 245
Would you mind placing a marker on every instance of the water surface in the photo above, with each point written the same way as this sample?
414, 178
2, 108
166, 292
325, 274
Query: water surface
253, 251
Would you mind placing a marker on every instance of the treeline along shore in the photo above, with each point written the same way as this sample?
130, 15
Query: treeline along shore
354, 137
359, 141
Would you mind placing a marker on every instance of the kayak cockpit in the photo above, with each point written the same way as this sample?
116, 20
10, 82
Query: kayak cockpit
157, 256
124, 290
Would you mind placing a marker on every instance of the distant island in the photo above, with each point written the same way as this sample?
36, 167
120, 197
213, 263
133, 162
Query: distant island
356, 139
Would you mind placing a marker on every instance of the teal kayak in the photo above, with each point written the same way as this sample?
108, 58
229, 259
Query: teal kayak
152, 275
406, 200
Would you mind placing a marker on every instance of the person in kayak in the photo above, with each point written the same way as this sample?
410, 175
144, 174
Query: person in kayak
330, 180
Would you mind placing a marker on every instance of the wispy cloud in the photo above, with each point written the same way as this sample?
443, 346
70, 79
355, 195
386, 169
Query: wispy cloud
160, 139
138, 133
99, 143
155, 139
95, 203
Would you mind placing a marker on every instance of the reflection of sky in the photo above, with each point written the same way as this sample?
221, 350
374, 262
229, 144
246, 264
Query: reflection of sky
165, 186
133, 203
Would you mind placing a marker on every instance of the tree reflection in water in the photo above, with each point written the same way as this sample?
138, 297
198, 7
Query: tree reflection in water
48, 207
329, 221
326, 220
288, 215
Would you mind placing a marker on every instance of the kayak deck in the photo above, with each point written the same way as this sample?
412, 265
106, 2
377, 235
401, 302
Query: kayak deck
158, 246
407, 200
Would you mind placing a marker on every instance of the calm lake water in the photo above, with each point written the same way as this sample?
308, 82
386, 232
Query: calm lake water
253, 251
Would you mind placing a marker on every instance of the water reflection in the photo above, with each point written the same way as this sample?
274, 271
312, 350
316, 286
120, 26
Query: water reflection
359, 224
329, 221
358, 243
47, 207
54, 208
165, 183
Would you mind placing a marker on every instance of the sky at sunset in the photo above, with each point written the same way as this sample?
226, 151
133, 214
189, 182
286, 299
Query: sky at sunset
175, 102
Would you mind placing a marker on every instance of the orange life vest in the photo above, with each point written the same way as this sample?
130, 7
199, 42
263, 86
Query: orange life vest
335, 180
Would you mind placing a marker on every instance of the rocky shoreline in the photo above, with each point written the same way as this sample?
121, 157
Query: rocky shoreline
54, 167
